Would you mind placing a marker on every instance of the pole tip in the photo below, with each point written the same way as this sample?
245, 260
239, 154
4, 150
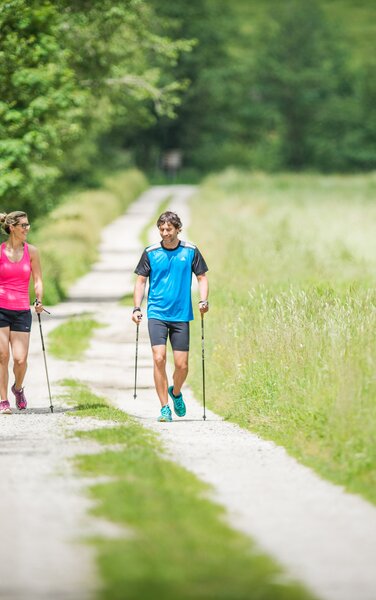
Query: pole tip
204, 417
52, 408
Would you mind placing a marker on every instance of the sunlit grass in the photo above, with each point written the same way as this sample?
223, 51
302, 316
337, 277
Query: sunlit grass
175, 543
69, 340
290, 336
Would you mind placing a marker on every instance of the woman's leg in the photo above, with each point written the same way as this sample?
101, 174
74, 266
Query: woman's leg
19, 342
4, 362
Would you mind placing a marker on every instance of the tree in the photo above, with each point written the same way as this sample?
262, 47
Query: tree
40, 105
302, 90
205, 116
69, 72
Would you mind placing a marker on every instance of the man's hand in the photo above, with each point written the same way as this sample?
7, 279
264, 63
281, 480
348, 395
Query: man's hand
137, 315
203, 306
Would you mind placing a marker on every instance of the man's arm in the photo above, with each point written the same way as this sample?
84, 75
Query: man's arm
138, 296
203, 288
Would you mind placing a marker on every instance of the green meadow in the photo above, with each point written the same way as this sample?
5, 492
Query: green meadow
290, 336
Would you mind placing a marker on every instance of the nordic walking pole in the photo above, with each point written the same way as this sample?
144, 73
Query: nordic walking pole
203, 362
135, 363
44, 356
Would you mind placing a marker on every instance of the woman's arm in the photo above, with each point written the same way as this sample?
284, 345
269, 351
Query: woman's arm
36, 272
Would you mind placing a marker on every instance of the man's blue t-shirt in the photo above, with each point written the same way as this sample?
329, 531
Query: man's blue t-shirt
170, 279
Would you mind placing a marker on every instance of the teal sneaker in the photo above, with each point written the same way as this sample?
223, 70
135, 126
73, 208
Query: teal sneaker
179, 406
166, 415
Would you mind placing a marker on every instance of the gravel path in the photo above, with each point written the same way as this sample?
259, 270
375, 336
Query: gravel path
321, 535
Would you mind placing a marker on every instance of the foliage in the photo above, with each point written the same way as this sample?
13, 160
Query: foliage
41, 106
87, 86
272, 85
201, 123
305, 105
125, 67
70, 72
358, 21
290, 333
173, 541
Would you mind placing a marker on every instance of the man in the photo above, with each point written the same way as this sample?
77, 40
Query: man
169, 264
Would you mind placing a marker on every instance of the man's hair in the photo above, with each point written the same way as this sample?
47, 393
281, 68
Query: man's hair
170, 217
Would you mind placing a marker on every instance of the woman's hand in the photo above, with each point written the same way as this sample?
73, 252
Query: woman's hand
38, 306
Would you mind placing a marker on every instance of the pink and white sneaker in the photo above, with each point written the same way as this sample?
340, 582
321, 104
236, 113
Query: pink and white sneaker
5, 408
21, 402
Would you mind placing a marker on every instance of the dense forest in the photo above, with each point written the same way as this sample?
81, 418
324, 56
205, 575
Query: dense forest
91, 85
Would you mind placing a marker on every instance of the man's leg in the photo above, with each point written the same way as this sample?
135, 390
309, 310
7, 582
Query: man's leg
181, 370
179, 337
160, 376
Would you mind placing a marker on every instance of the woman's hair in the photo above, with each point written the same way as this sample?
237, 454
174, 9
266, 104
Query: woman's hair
12, 218
170, 217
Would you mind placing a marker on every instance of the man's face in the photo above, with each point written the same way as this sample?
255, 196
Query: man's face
169, 234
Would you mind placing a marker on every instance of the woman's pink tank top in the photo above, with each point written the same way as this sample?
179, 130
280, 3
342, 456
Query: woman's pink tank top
14, 281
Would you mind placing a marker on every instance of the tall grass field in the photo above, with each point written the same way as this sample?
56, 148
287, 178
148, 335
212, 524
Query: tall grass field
290, 337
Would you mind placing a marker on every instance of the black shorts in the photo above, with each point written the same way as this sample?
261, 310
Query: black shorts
178, 332
17, 320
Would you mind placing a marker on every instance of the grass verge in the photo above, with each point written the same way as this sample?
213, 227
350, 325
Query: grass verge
290, 337
176, 543
71, 339
68, 238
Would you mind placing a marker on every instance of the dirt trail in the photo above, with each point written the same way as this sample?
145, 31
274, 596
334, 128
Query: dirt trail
321, 535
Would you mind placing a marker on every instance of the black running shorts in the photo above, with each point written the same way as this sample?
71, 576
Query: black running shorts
178, 332
17, 320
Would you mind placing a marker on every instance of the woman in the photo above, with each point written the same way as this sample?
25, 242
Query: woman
18, 261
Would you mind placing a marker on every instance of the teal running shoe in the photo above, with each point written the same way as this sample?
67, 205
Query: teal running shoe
179, 406
166, 415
